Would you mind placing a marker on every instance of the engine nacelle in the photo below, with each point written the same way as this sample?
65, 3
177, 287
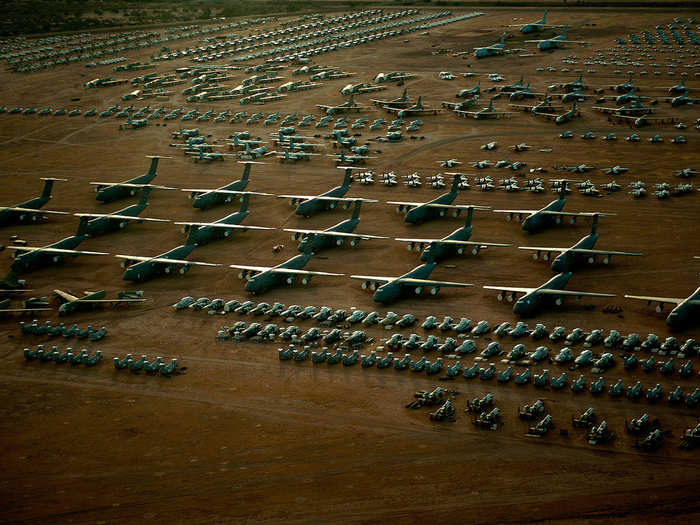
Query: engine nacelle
354, 242
306, 279
418, 290
546, 256
659, 308
536, 255
572, 220
243, 274
475, 250
606, 259
184, 269
296, 236
434, 290
510, 297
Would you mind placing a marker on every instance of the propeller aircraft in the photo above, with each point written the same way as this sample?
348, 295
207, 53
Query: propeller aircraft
89, 300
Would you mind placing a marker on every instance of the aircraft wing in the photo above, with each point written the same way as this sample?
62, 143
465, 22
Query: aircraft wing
601, 252
227, 226
54, 250
437, 205
455, 242
523, 212
131, 185
164, 260
374, 278
232, 192
66, 296
275, 269
549, 291
118, 217
335, 234
510, 289
574, 213
2, 310
34, 210
81, 300
667, 300
431, 282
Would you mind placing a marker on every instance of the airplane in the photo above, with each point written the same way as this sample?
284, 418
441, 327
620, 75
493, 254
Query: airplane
89, 300
537, 220
318, 240
401, 102
308, 205
678, 89
567, 115
575, 85
253, 153
494, 49
553, 43
535, 299
484, 113
511, 88
582, 251
38, 257
535, 27
342, 158
211, 231
449, 163
293, 155
348, 106
27, 212
470, 92
683, 314
453, 244
417, 212
112, 191
144, 268
102, 224
417, 109
575, 95
261, 278
205, 199
209, 156
615, 170
624, 87
409, 283
524, 93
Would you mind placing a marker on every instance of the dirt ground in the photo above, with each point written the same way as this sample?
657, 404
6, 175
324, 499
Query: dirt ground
244, 437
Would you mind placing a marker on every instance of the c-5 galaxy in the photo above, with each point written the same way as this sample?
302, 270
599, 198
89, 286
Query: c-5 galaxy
308, 205
211, 231
55, 253
91, 300
535, 27
456, 243
101, 224
494, 49
318, 240
535, 299
112, 191
418, 212
262, 278
581, 252
29, 211
144, 268
389, 289
685, 312
206, 199
537, 220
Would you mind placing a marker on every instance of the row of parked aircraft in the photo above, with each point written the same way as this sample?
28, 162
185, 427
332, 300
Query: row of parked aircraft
387, 289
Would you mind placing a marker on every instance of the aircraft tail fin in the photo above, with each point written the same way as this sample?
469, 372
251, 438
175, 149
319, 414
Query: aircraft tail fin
244, 202
348, 177
503, 39
246, 173
404, 95
82, 226
48, 186
455, 184
356, 210
154, 166
468, 220
544, 17
594, 225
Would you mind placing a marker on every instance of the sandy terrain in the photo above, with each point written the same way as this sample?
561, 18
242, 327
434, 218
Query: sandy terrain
243, 437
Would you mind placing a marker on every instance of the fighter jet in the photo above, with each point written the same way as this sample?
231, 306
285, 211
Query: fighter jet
308, 205
535, 299
410, 283
319, 240
453, 244
685, 312
108, 191
261, 278
537, 220
143, 268
418, 212
28, 211
55, 253
582, 251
